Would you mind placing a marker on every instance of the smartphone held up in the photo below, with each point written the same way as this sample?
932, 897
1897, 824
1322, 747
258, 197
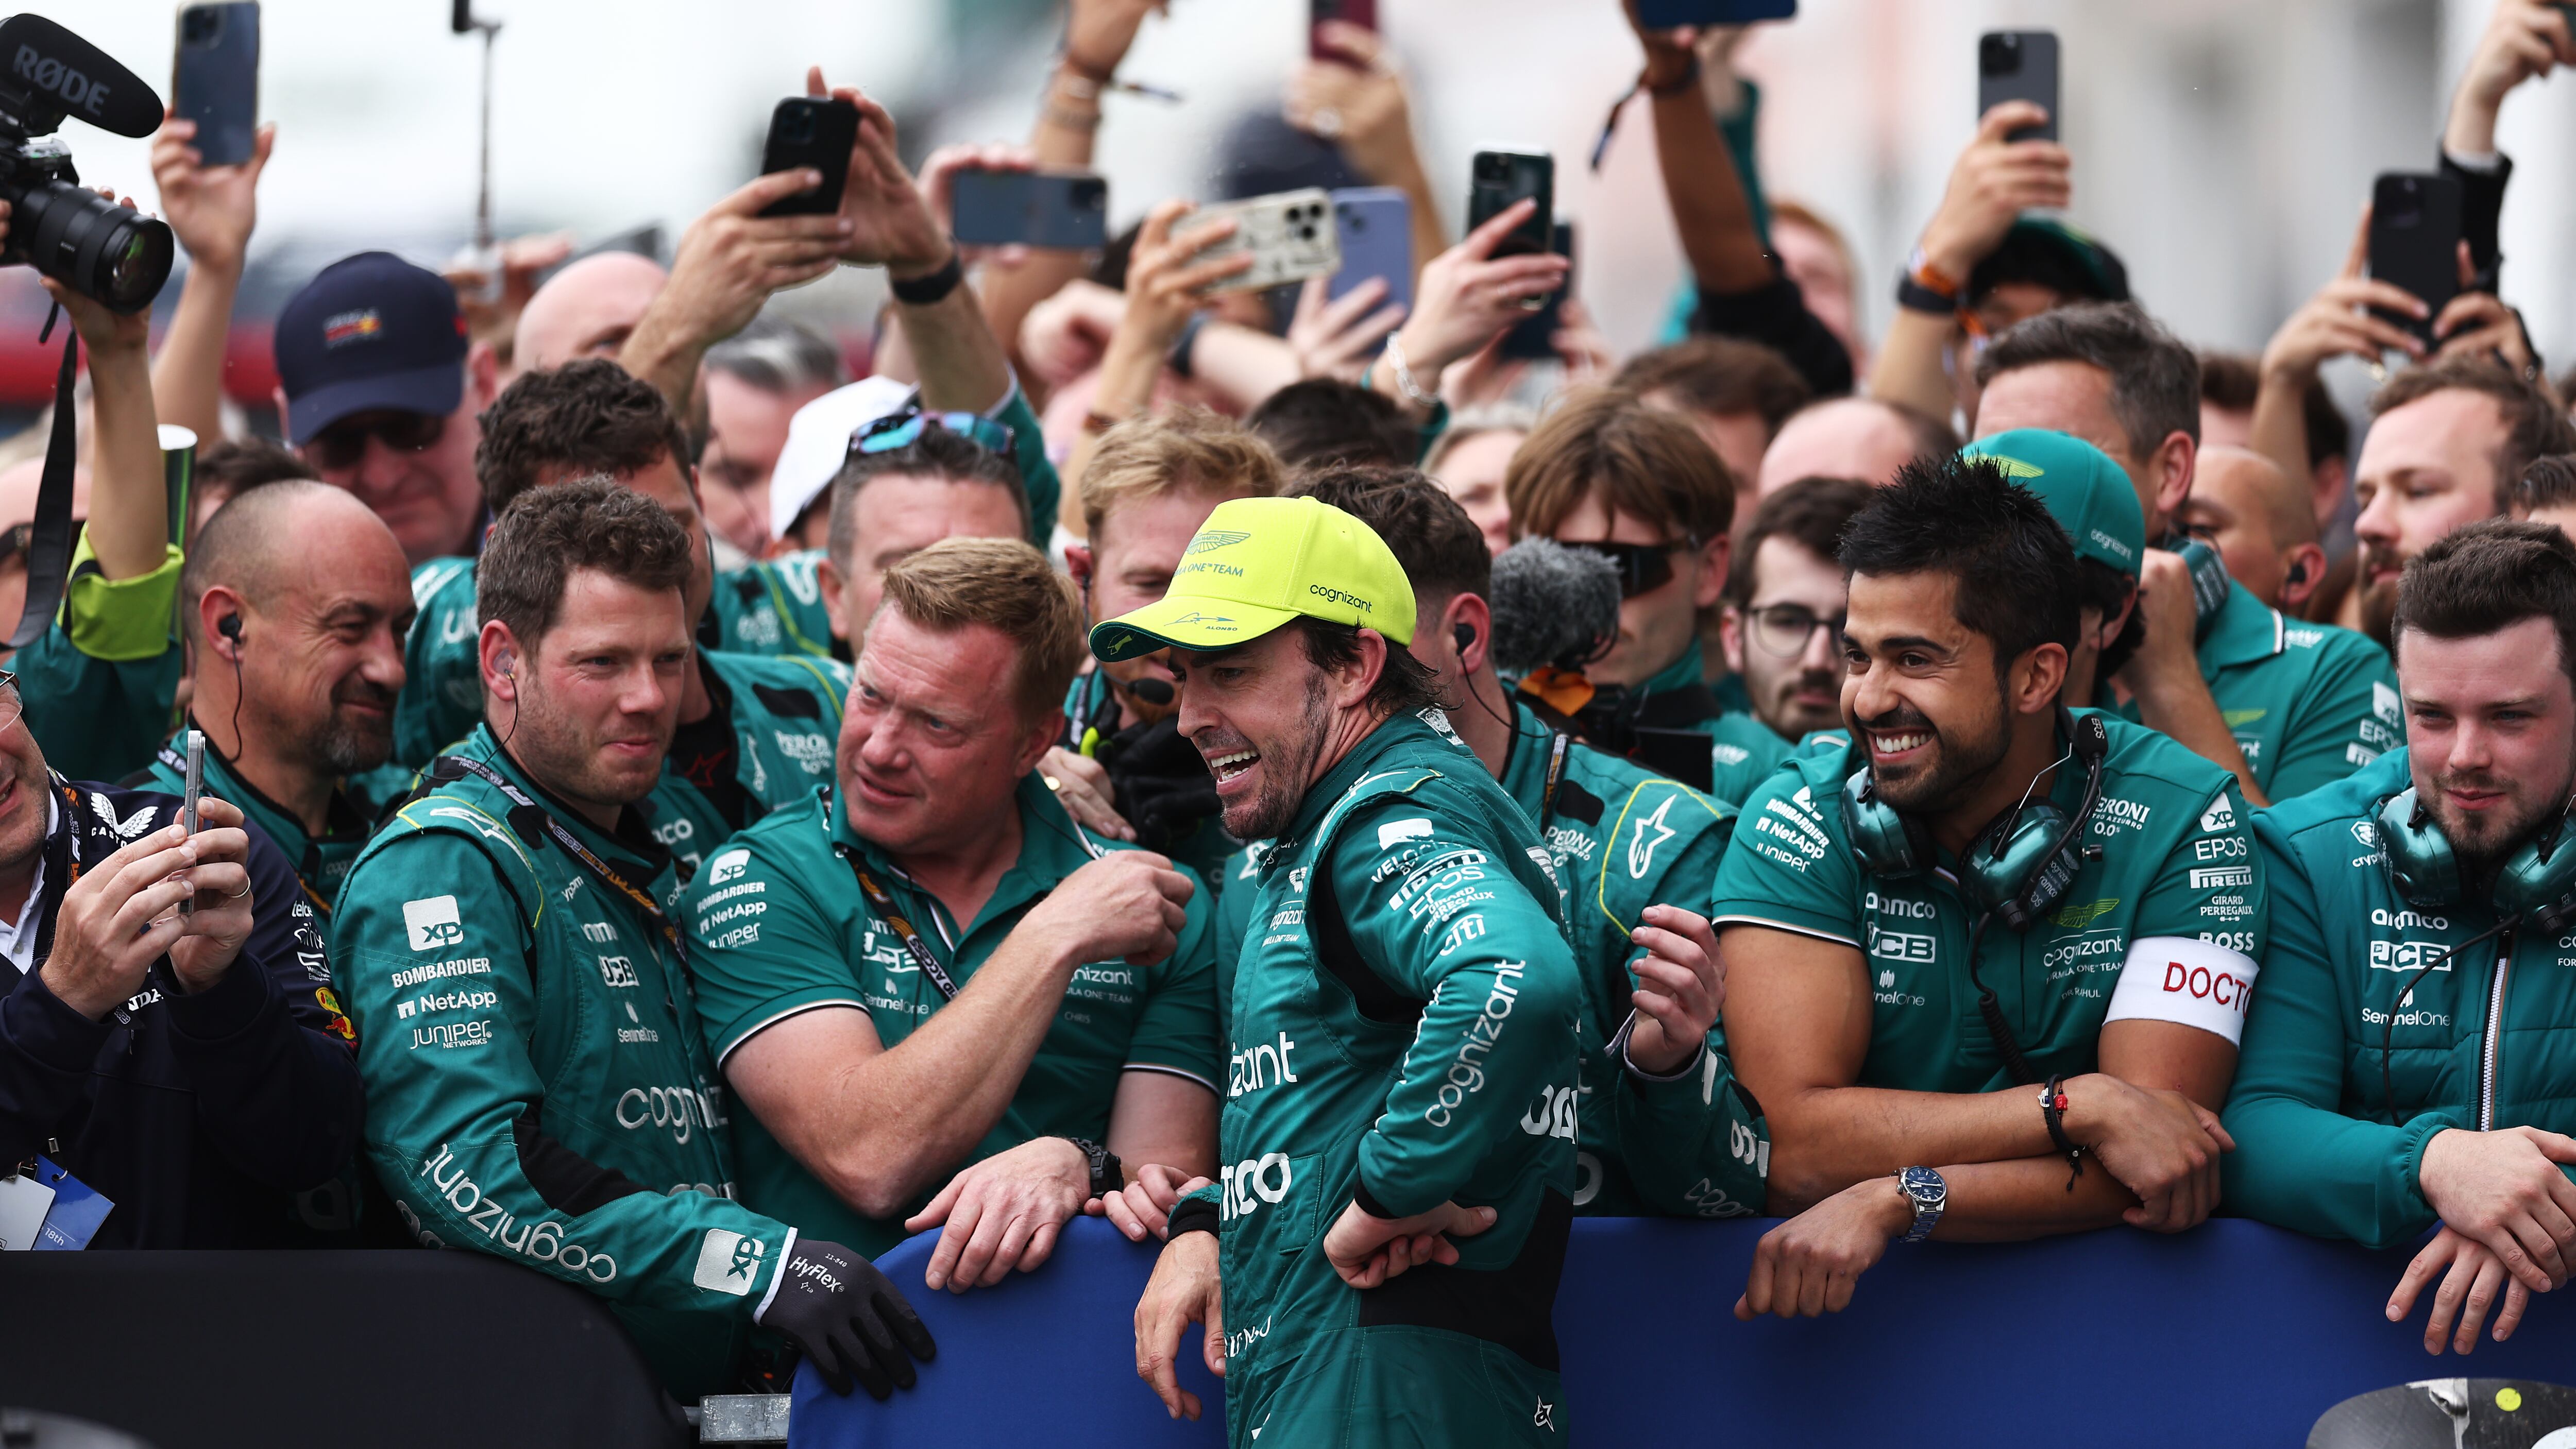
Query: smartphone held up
1050, 210
194, 789
2415, 243
214, 79
1290, 236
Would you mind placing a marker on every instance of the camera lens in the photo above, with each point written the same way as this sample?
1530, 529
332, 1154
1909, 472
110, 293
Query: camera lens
1999, 55
89, 243
797, 125
199, 26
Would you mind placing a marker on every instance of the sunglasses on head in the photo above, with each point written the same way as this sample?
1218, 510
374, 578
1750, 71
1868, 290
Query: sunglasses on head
904, 426
343, 445
1643, 567
16, 538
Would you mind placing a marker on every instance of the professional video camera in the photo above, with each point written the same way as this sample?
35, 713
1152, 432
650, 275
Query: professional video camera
70, 233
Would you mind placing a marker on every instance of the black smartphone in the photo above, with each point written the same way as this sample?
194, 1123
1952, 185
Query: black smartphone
810, 131
1056, 210
1673, 14
2415, 242
1534, 336
2019, 65
1497, 179
214, 80
1362, 13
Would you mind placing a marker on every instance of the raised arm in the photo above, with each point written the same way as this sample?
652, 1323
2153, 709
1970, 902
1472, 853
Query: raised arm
1359, 106
212, 210
129, 502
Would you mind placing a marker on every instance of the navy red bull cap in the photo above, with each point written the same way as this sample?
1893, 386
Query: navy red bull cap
370, 332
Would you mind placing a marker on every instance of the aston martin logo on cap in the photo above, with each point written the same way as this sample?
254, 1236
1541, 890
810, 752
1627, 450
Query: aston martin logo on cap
1214, 539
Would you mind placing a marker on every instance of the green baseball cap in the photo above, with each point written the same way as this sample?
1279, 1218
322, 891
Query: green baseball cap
1258, 563
2085, 491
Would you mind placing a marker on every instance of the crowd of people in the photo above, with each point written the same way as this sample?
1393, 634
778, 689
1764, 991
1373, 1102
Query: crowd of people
682, 818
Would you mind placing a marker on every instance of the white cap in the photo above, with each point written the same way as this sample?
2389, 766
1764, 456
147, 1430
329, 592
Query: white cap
818, 441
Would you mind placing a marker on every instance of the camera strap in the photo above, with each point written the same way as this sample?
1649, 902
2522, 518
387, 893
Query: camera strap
49, 543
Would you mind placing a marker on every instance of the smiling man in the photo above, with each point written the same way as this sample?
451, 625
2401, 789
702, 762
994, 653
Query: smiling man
1401, 1114
1973, 954
535, 1086
297, 628
2447, 443
2423, 906
945, 1004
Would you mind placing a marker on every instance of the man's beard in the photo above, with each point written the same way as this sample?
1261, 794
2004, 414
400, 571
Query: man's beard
1958, 765
1275, 803
2378, 599
1793, 720
555, 751
345, 744
2483, 839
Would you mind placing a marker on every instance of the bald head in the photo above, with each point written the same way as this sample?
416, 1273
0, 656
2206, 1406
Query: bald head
295, 536
586, 310
2259, 520
1849, 437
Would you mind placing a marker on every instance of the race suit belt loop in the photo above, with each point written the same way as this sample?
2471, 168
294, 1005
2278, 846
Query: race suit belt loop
883, 904
571, 844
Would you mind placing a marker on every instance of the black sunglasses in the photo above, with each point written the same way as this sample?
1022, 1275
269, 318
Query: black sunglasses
15, 539
343, 445
1643, 567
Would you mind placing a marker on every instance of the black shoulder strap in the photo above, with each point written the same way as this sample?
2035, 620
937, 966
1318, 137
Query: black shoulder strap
1339, 955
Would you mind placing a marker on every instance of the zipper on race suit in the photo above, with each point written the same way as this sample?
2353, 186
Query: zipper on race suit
2493, 1043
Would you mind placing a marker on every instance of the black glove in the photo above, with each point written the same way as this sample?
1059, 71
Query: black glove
847, 1318
1161, 782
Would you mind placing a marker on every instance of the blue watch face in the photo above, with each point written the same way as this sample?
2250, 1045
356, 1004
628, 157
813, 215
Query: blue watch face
1924, 1185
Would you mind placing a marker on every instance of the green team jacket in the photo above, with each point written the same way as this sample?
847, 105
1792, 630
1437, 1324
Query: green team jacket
2168, 924
1694, 1144
2319, 1145
1436, 1061
786, 719
770, 607
779, 926
2308, 703
535, 1086
99, 684
1743, 751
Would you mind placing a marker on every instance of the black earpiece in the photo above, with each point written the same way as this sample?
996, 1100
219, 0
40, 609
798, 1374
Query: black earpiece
1465, 634
2298, 574
230, 627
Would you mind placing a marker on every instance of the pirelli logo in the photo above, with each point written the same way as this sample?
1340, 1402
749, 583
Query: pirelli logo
2222, 878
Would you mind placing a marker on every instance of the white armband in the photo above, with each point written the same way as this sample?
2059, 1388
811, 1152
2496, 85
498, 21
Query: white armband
2196, 983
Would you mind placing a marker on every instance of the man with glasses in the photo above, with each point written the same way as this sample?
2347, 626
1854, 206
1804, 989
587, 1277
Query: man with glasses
380, 392
1783, 623
187, 1072
1638, 486
754, 732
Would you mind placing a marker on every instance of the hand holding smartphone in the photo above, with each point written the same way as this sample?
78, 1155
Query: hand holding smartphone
2415, 244
815, 132
1053, 210
1498, 179
214, 79
1291, 236
2019, 65
1362, 13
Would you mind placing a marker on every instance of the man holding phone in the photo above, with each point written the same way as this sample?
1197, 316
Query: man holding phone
2285, 708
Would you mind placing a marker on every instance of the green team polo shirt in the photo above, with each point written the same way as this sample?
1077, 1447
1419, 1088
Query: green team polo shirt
2168, 924
785, 718
2308, 703
772, 606
777, 925
1743, 751
98, 686
2320, 1145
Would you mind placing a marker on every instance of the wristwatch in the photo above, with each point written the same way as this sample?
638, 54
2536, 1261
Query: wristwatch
1929, 1195
1107, 1174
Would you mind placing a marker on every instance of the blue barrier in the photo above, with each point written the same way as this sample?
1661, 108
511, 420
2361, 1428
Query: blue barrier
2232, 1334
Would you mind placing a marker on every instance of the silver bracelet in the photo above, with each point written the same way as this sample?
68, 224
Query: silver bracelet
1413, 392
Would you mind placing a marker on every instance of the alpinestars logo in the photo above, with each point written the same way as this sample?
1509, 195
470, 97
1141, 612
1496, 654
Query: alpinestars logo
1642, 847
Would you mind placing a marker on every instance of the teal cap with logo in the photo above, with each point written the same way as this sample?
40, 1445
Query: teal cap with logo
2083, 489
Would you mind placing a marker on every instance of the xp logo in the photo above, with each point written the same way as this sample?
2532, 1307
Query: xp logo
433, 923
1396, 832
728, 1262
2219, 816
727, 866
1216, 538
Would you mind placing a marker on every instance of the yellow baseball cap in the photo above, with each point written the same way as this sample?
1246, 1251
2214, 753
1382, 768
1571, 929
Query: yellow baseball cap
1258, 563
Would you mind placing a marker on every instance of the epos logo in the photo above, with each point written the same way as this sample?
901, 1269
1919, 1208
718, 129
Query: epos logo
432, 923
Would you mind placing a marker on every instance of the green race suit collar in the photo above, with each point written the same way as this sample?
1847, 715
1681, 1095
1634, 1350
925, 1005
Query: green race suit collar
631, 846
1524, 775
1396, 733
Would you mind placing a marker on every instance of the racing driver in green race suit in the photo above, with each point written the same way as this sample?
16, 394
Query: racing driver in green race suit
535, 1086
1402, 1022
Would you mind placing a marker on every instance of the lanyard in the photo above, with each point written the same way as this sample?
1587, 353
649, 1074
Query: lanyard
571, 843
1556, 752
883, 904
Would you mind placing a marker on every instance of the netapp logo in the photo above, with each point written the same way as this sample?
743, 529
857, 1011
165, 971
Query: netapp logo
78, 91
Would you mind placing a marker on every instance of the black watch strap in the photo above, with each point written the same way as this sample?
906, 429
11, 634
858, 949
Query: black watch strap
1913, 296
923, 291
1107, 1173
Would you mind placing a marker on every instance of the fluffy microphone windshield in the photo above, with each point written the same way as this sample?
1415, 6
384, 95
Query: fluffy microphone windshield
1552, 605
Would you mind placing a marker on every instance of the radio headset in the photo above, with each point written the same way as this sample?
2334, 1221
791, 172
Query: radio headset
2016, 869
2535, 887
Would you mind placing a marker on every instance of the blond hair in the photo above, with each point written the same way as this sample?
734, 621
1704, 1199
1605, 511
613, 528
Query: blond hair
1007, 586
1195, 447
